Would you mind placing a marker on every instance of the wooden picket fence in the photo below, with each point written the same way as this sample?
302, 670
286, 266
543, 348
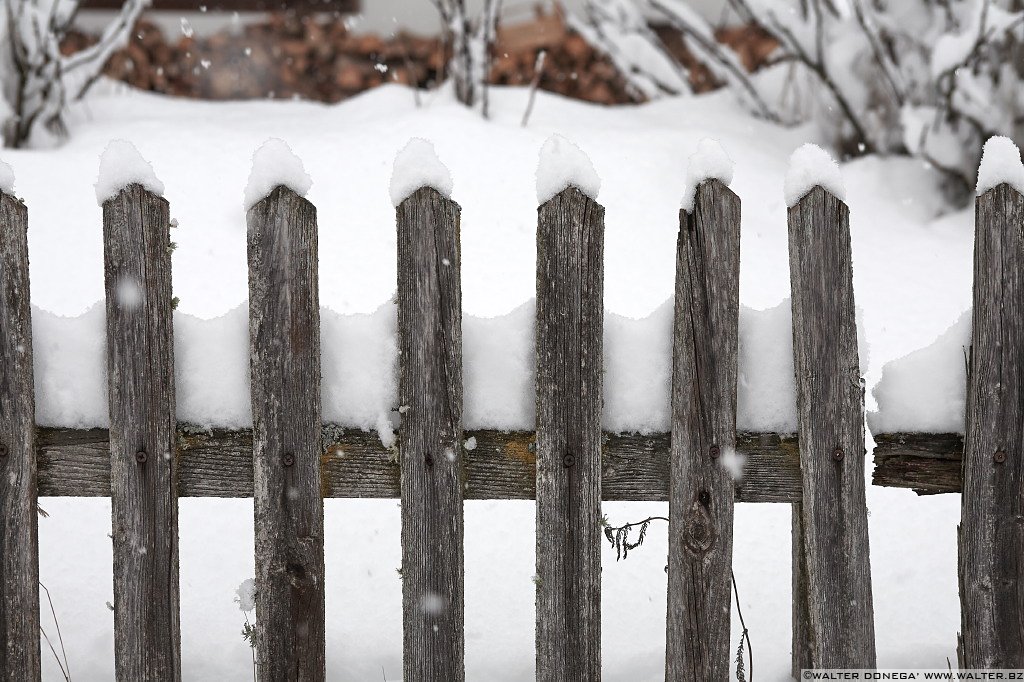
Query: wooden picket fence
289, 462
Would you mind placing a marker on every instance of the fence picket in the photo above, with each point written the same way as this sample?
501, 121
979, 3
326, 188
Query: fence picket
19, 540
570, 318
284, 352
830, 413
991, 584
705, 349
432, 474
143, 460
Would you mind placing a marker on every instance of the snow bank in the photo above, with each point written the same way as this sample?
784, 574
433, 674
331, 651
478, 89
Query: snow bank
925, 391
811, 166
6, 179
562, 164
1000, 162
275, 164
416, 166
709, 162
121, 165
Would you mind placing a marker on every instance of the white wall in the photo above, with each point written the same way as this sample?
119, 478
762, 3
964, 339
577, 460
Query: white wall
378, 16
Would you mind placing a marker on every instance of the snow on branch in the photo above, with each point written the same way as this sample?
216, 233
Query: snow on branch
618, 29
562, 165
38, 82
121, 165
1000, 163
274, 165
416, 166
720, 60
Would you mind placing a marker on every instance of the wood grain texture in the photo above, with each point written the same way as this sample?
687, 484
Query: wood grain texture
570, 319
830, 411
217, 463
284, 354
991, 539
430, 437
704, 372
19, 539
927, 463
801, 652
143, 465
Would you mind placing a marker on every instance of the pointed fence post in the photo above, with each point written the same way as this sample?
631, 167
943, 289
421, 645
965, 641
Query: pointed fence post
991, 542
19, 539
143, 459
570, 320
430, 393
830, 413
701, 488
284, 355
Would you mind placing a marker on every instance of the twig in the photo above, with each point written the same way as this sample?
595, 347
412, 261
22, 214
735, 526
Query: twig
538, 71
618, 537
252, 648
743, 624
66, 668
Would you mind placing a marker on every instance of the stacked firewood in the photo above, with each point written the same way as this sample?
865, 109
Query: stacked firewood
317, 57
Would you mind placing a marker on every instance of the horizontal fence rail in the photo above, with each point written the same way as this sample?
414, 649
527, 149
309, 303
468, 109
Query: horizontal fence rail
502, 466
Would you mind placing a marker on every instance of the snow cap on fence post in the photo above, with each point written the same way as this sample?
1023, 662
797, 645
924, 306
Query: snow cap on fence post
121, 165
811, 166
709, 162
562, 165
417, 165
6, 179
275, 164
1000, 162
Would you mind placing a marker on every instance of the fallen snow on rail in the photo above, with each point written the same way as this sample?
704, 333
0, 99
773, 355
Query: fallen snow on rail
417, 165
275, 164
562, 164
811, 166
925, 391
709, 162
6, 179
1000, 162
360, 360
121, 165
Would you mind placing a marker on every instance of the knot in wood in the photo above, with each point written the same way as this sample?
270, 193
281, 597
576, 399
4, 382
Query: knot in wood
3, 449
699, 534
838, 454
568, 461
288, 459
714, 451
999, 457
141, 456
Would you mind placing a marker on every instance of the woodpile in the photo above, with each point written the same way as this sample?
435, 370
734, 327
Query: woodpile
317, 57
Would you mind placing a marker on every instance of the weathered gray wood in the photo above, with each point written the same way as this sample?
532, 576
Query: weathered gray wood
355, 465
704, 366
430, 437
830, 412
284, 356
570, 319
143, 463
801, 652
991, 542
927, 463
19, 540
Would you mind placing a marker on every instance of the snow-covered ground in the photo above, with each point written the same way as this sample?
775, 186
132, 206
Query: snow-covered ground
912, 276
